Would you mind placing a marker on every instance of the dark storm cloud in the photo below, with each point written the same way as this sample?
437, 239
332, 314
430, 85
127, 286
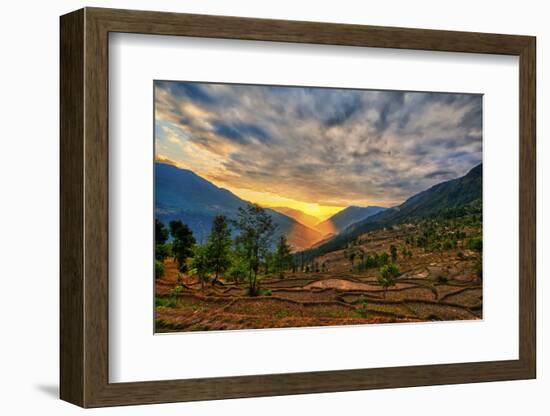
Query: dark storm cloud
240, 131
330, 146
440, 174
191, 91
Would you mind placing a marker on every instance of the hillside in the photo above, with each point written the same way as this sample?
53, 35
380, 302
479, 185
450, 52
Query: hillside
452, 194
182, 195
301, 217
345, 218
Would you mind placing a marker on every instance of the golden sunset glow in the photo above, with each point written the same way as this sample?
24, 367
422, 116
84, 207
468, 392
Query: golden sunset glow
268, 200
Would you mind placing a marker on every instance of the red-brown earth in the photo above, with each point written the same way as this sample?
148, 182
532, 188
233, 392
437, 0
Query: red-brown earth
432, 286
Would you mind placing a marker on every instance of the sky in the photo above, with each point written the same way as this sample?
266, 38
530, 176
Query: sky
318, 150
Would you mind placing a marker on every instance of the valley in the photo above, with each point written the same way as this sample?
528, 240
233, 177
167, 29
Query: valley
262, 268
301, 206
337, 288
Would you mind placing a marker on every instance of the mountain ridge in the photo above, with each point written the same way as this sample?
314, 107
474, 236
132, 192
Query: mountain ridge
300, 216
184, 195
451, 194
349, 215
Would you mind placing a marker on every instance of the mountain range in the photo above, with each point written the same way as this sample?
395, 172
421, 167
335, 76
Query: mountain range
180, 194
301, 217
339, 221
453, 194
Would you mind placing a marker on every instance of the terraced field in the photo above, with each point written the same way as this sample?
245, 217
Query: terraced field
432, 286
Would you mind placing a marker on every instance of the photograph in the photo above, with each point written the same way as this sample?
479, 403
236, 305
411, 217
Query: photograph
307, 206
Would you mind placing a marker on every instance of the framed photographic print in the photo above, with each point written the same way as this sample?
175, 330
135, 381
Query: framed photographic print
301, 207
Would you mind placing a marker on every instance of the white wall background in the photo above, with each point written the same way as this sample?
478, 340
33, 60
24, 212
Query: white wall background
29, 159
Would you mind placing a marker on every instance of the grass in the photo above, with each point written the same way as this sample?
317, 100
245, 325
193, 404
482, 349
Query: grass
363, 310
183, 305
282, 313
165, 302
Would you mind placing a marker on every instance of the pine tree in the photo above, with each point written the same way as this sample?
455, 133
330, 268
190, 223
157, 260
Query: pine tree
218, 247
183, 242
283, 255
393, 251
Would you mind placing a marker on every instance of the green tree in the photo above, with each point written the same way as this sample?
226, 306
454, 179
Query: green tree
478, 267
256, 229
200, 263
283, 256
218, 247
159, 269
238, 271
393, 253
267, 259
182, 244
475, 244
161, 233
387, 275
161, 236
352, 259
383, 259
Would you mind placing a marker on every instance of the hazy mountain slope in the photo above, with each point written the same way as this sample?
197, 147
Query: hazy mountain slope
181, 194
346, 217
455, 193
298, 215
299, 236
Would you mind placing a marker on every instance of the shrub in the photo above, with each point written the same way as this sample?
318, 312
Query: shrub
161, 251
421, 241
393, 251
176, 291
371, 262
282, 313
435, 246
389, 271
164, 303
475, 244
363, 310
383, 259
253, 291
159, 269
387, 276
479, 269
442, 279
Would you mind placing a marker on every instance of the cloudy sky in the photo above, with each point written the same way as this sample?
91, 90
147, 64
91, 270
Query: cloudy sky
317, 149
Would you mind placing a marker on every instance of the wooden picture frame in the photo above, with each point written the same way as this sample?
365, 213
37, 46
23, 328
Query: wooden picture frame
84, 207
